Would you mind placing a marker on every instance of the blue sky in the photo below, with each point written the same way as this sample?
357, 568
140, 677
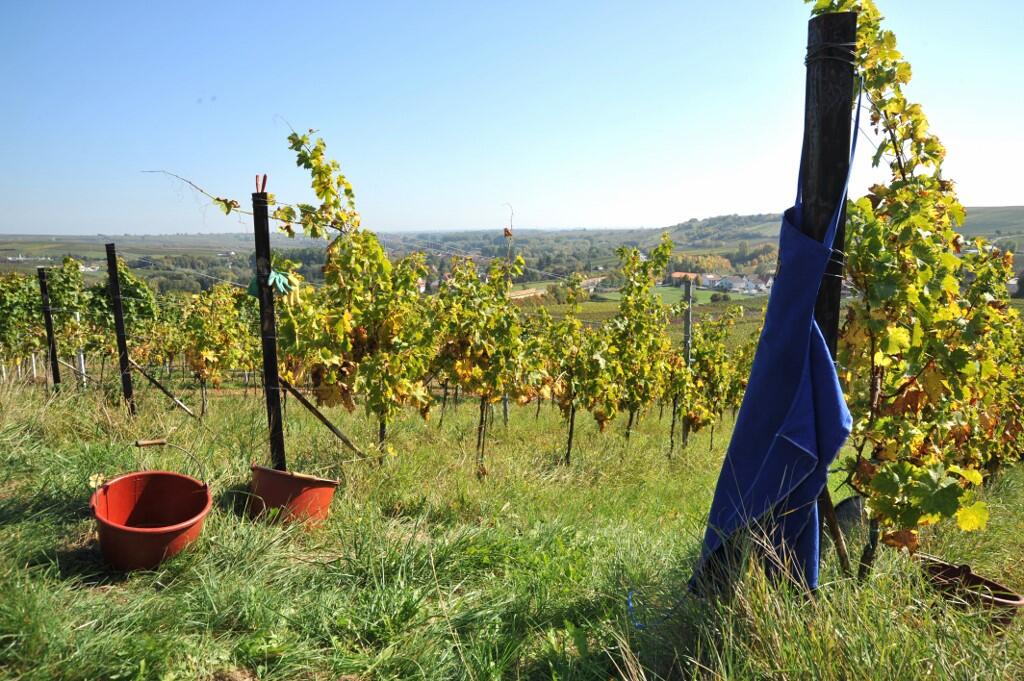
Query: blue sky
579, 114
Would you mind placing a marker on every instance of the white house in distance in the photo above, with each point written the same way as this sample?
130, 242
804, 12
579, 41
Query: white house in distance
708, 280
743, 285
730, 283
736, 284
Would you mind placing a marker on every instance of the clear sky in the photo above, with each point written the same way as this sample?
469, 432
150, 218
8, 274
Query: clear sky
579, 114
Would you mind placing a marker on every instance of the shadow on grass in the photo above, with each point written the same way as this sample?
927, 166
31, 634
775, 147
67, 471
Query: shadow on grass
45, 504
54, 513
82, 562
235, 500
668, 649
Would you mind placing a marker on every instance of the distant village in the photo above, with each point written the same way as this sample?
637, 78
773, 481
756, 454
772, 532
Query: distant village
724, 283
27, 258
731, 284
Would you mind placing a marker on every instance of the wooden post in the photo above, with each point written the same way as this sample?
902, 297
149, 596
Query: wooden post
826, 162
51, 341
155, 383
73, 368
122, 342
80, 355
320, 417
268, 330
688, 346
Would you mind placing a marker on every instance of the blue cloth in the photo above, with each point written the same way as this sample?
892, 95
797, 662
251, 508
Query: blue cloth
792, 422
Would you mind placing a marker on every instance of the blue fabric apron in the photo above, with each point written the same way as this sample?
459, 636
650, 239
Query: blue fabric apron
793, 419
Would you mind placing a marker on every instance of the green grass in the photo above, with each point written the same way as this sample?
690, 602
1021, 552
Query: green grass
422, 572
607, 304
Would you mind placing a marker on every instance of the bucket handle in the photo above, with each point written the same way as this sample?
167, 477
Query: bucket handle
162, 442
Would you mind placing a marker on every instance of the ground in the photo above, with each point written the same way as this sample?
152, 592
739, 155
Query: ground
422, 571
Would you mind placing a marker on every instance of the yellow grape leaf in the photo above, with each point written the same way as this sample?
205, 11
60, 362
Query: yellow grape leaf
950, 261
917, 336
889, 451
950, 285
933, 384
971, 475
946, 313
973, 517
896, 340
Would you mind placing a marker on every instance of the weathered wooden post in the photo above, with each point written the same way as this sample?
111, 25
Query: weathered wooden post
831, 43
122, 341
80, 355
268, 329
51, 341
688, 347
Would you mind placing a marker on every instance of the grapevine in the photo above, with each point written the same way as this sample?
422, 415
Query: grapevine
927, 348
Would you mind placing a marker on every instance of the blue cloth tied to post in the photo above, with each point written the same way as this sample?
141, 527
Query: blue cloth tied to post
793, 419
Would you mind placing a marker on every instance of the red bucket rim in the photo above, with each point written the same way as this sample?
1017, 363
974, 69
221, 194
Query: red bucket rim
152, 530
997, 594
299, 476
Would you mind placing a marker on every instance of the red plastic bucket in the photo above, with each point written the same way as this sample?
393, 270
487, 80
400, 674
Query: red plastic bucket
300, 497
146, 517
959, 583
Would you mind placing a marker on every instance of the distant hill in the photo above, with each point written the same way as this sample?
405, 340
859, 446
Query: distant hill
549, 253
725, 231
728, 230
994, 221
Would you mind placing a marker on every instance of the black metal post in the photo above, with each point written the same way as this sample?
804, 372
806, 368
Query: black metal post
51, 340
826, 163
268, 330
688, 327
827, 134
122, 341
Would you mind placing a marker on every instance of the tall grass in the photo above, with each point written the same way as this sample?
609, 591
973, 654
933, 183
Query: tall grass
424, 572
